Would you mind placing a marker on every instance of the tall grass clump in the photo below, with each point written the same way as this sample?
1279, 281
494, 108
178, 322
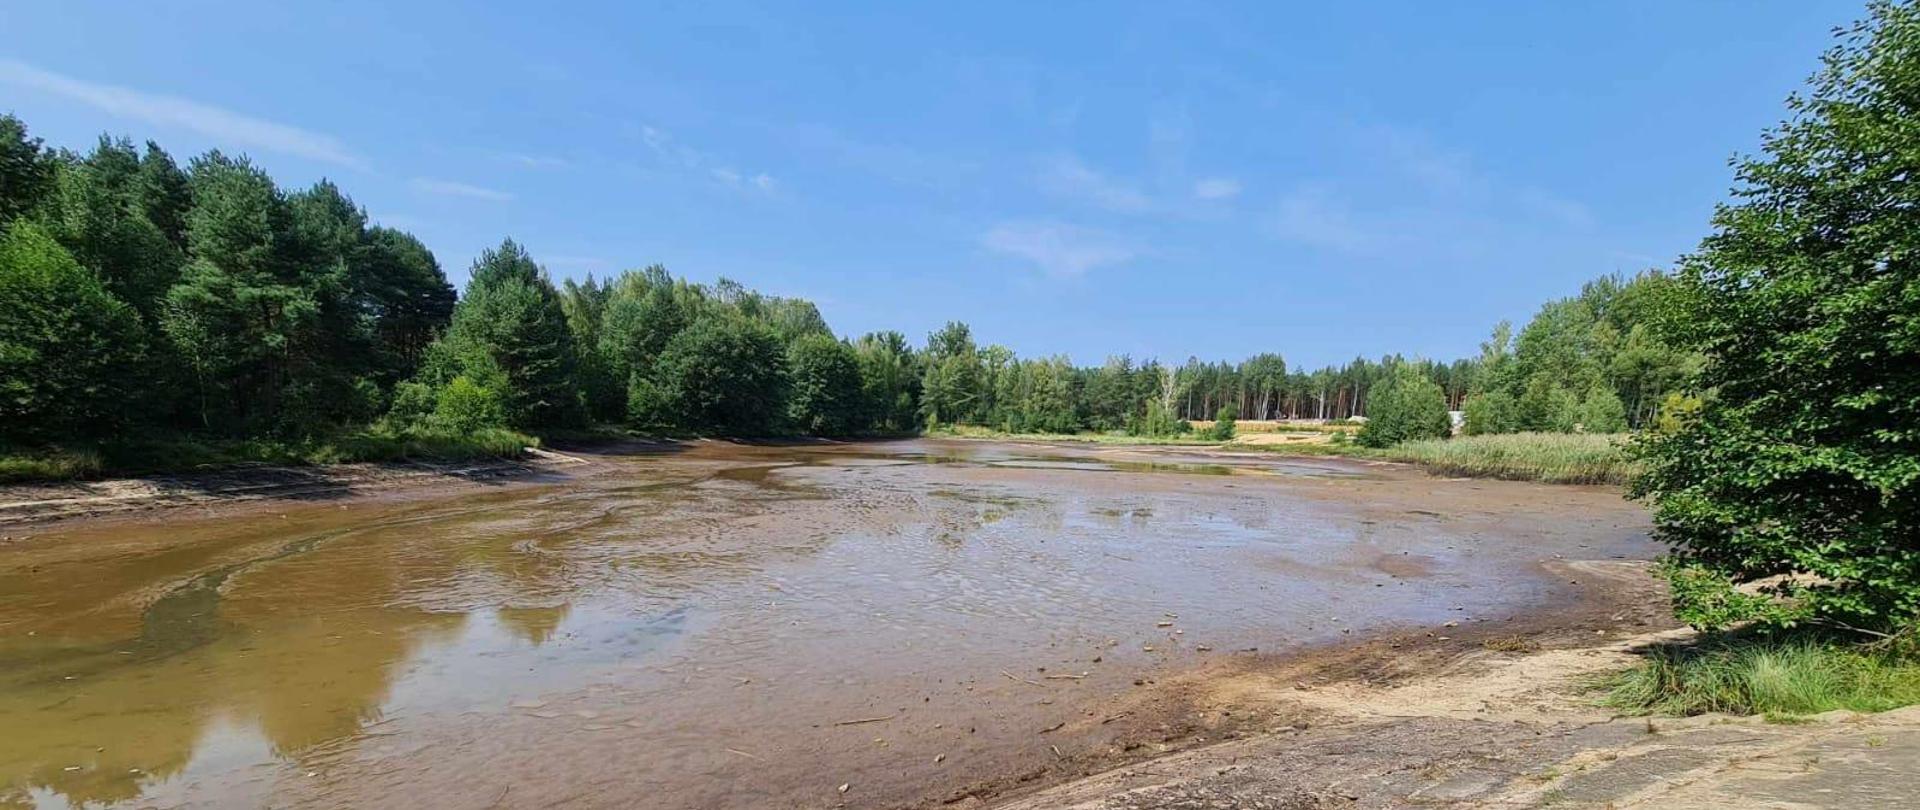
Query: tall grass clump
1557, 458
1796, 675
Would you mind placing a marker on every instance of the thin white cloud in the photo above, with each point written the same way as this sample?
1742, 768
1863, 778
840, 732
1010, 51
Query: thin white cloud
530, 161
1058, 249
225, 126
1310, 215
1216, 188
453, 188
1553, 206
686, 157
1067, 177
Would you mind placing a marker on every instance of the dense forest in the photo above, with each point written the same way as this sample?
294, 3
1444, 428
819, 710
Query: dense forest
203, 300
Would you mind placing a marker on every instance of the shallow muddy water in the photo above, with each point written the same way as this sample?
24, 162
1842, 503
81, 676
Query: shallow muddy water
721, 627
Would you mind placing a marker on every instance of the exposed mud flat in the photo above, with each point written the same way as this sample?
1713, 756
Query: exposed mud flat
725, 626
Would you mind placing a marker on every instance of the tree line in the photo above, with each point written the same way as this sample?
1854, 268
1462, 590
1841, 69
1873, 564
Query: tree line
206, 299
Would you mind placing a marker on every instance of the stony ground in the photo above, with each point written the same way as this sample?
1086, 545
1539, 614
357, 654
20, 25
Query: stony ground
1512, 731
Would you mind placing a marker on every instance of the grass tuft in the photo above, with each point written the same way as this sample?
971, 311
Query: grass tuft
1781, 678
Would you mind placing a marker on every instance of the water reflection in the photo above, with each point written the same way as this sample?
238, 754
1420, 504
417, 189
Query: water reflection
688, 603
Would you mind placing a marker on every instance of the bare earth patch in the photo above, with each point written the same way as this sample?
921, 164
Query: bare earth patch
1492, 729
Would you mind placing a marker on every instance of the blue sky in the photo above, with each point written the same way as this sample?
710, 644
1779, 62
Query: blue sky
1161, 179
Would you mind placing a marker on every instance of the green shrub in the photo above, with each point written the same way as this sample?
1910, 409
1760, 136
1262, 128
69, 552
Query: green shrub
1404, 407
466, 406
1223, 428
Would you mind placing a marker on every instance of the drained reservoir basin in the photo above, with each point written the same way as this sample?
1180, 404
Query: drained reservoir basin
721, 625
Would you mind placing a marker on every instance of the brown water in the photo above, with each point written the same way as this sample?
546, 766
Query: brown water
698, 629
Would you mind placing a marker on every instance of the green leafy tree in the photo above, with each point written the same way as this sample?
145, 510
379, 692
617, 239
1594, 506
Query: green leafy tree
1801, 467
165, 195
1403, 407
954, 389
889, 382
1602, 412
644, 311
1491, 412
26, 170
70, 353
723, 373
1546, 407
824, 392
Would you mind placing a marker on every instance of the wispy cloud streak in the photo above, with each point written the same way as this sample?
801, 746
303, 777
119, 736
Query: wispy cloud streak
223, 125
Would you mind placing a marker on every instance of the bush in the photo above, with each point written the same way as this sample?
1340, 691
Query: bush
1403, 407
467, 407
1223, 427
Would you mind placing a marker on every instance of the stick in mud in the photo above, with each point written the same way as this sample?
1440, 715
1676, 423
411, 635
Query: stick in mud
860, 720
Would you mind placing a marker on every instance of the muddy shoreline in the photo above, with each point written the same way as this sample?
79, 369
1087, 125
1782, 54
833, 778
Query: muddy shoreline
1052, 691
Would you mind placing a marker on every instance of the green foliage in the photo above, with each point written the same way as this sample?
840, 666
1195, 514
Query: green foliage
465, 406
1761, 674
70, 353
1557, 458
824, 390
1223, 428
954, 388
1158, 421
1546, 407
1800, 469
511, 319
889, 382
724, 373
1708, 599
1405, 407
97, 210
402, 296
1491, 412
1602, 412
26, 170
